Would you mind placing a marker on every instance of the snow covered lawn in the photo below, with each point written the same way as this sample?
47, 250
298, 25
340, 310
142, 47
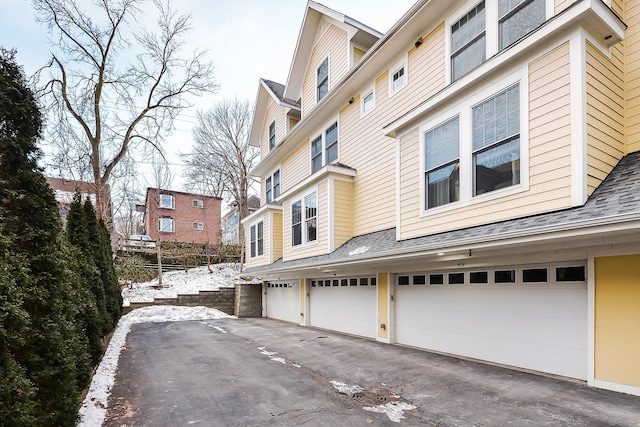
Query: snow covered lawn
182, 282
94, 406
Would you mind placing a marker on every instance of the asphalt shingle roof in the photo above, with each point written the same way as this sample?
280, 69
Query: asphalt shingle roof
278, 90
619, 194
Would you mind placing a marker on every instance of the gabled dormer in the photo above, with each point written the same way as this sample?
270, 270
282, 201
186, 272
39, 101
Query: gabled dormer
274, 116
329, 45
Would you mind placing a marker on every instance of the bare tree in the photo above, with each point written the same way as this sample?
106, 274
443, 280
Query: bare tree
221, 158
116, 85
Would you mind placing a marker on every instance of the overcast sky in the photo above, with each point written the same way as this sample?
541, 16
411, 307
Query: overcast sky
246, 40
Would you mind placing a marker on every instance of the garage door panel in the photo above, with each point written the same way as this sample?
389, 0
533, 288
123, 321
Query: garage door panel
283, 303
539, 328
346, 309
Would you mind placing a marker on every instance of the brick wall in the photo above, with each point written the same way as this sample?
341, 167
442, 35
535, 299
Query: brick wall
184, 215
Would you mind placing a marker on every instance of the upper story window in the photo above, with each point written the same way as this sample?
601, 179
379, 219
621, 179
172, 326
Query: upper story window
272, 135
496, 142
463, 167
368, 101
442, 174
468, 42
272, 186
166, 201
324, 148
322, 82
489, 28
304, 220
257, 239
197, 203
398, 77
166, 225
198, 226
518, 18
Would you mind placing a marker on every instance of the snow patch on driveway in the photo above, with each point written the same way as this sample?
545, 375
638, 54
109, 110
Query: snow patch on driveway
346, 388
393, 410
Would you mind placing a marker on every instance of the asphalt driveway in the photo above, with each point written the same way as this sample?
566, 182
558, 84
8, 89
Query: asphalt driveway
254, 372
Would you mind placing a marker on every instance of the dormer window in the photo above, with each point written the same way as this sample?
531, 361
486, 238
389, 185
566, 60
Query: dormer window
323, 79
272, 135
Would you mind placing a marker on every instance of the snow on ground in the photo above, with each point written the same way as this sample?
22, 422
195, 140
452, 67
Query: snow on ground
94, 406
182, 282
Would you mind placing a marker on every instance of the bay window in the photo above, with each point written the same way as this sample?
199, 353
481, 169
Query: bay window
304, 220
496, 142
442, 174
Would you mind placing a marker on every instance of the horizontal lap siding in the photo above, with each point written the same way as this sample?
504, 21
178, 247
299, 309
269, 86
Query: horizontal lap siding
562, 5
334, 44
295, 167
320, 246
342, 212
549, 168
632, 81
276, 236
605, 116
274, 112
364, 146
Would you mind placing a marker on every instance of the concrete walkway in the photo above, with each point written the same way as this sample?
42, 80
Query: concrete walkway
250, 372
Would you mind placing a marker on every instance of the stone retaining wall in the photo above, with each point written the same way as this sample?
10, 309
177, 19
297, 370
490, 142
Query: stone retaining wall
243, 300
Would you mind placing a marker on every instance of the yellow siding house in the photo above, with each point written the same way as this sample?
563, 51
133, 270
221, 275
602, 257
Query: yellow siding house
467, 183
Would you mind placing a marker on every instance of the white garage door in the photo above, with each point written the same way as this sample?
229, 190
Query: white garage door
515, 317
283, 301
347, 305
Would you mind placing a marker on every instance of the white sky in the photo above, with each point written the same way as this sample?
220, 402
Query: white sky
246, 40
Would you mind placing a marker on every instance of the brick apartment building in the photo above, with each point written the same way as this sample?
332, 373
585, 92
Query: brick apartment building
175, 216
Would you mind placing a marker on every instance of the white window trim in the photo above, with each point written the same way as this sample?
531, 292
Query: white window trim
197, 226
328, 59
198, 203
300, 198
173, 201
173, 225
255, 224
370, 90
271, 175
323, 134
492, 31
463, 110
404, 62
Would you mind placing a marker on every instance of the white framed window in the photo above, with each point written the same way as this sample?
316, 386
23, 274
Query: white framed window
166, 225
496, 142
197, 203
398, 77
272, 135
367, 101
468, 42
257, 239
198, 226
324, 148
272, 186
461, 167
304, 220
484, 28
322, 79
442, 161
166, 201
517, 18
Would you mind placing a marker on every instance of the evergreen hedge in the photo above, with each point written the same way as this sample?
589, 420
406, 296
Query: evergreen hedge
51, 322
